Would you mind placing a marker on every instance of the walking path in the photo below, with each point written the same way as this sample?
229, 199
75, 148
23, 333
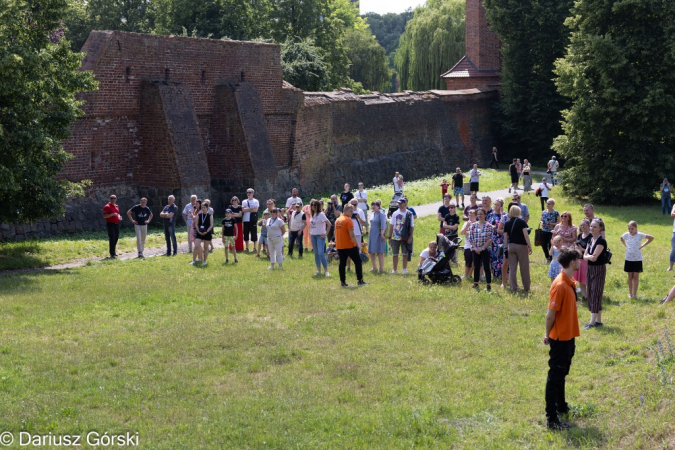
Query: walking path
430, 209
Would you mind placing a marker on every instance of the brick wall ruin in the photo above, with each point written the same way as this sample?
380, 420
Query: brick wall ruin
179, 115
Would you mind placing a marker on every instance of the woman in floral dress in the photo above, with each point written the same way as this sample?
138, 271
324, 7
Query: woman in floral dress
498, 248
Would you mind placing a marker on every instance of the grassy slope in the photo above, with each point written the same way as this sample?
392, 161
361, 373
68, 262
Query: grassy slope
215, 358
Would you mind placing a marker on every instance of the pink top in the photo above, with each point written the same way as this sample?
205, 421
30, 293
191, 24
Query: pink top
568, 234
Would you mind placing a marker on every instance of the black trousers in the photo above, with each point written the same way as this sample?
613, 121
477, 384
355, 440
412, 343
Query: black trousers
559, 362
352, 253
292, 237
478, 259
546, 237
113, 236
543, 202
495, 162
170, 237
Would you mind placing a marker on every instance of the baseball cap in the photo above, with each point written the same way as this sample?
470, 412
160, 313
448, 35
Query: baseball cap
228, 211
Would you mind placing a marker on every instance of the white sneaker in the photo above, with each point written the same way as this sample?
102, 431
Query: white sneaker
393, 272
463, 277
317, 273
204, 263
192, 263
270, 268
327, 274
405, 272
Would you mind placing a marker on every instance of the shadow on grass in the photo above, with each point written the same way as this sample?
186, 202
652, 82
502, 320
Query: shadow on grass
585, 437
23, 255
11, 282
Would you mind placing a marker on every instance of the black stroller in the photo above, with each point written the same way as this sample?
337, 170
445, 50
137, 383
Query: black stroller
437, 270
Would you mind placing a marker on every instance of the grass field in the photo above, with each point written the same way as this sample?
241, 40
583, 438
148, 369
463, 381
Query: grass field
242, 357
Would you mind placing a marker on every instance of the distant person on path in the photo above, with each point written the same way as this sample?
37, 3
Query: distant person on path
513, 171
583, 238
142, 216
665, 189
276, 227
494, 160
544, 189
520, 249
552, 169
187, 218
377, 239
346, 195
444, 188
229, 235
168, 216
597, 271
549, 219
296, 226
458, 186
204, 224
474, 179
250, 208
111, 214
333, 211
318, 229
480, 237
468, 254
527, 176
398, 184
362, 197
519, 167
401, 234
632, 240
348, 246
524, 210
562, 326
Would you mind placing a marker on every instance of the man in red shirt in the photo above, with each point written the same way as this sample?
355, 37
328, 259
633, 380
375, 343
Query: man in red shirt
111, 214
562, 326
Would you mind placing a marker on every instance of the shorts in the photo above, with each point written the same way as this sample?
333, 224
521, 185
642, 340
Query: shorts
459, 191
228, 241
632, 266
398, 245
474, 187
251, 228
514, 178
468, 258
263, 240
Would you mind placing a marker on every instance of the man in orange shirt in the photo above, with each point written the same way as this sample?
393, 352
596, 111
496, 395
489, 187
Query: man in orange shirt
347, 245
562, 326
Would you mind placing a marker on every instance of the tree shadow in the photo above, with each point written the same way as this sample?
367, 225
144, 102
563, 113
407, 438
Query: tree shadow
13, 282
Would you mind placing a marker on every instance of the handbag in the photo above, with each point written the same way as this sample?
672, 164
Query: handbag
538, 237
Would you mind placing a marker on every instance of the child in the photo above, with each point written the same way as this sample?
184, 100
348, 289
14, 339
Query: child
633, 265
262, 241
555, 268
444, 188
229, 233
332, 252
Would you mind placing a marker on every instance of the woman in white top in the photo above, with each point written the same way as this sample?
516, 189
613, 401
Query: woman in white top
362, 197
275, 238
632, 240
318, 229
545, 187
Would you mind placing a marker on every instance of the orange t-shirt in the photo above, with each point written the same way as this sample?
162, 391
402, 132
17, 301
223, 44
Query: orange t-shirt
343, 226
563, 300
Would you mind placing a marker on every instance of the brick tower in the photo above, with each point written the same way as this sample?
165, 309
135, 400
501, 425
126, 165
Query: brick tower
480, 67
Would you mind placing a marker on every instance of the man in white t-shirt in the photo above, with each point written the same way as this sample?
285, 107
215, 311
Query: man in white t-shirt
362, 197
292, 200
401, 234
553, 165
474, 179
250, 219
187, 218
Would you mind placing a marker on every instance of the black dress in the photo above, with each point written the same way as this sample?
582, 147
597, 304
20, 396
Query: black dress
203, 223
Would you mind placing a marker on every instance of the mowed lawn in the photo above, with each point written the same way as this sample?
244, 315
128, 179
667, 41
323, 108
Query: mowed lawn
238, 356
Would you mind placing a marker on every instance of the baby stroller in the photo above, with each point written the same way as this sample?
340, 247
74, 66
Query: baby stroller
393, 204
437, 270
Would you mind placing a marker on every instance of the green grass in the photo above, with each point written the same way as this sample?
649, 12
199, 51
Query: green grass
242, 357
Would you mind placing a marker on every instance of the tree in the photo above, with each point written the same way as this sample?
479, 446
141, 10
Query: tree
38, 80
369, 64
533, 36
388, 28
619, 72
303, 65
433, 42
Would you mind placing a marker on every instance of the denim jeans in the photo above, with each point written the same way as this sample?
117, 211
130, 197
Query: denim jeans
170, 236
672, 248
293, 236
665, 201
319, 246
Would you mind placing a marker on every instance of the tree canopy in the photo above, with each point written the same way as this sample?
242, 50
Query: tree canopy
619, 73
433, 42
388, 28
533, 35
369, 63
38, 82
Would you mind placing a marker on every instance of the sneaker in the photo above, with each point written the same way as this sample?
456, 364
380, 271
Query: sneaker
317, 273
463, 206
203, 263
270, 268
175, 254
192, 263
236, 260
598, 324
663, 300
489, 288
509, 190
344, 285
589, 326
327, 274
362, 283
393, 272
558, 425
405, 272
167, 254
140, 255
227, 261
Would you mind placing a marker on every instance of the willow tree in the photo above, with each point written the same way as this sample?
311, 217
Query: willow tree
433, 42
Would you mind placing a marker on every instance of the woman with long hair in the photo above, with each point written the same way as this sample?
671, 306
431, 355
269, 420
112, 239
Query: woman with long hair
549, 219
597, 271
583, 238
566, 230
238, 214
498, 247
318, 229
204, 233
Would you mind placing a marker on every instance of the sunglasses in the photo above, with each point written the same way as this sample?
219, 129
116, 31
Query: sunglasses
451, 207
